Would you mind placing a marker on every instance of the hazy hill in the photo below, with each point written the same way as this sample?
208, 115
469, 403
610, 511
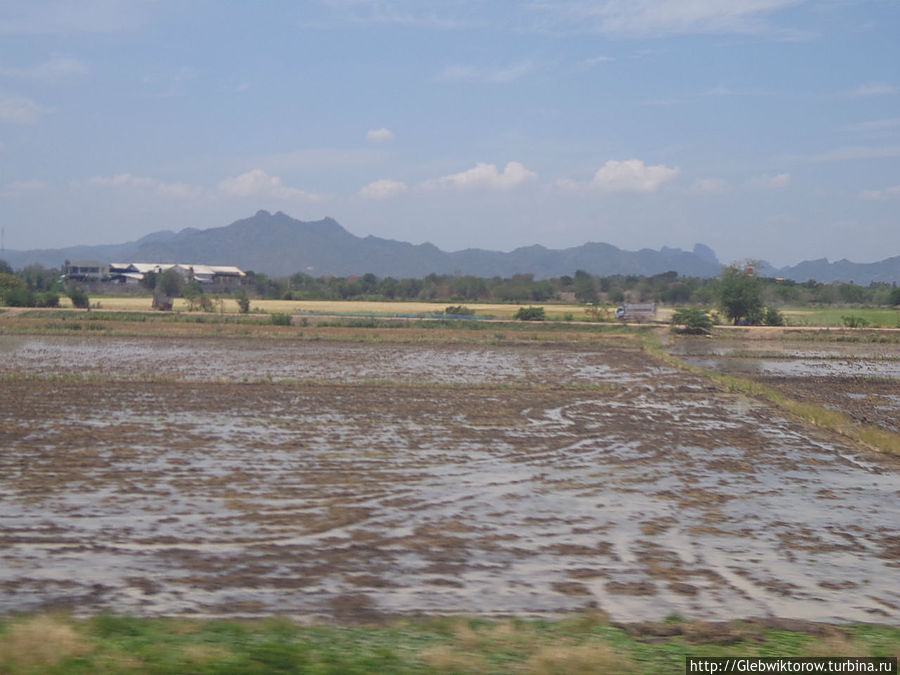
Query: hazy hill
279, 245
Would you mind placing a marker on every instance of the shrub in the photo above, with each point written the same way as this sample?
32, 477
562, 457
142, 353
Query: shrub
48, 299
854, 321
78, 297
279, 319
530, 314
693, 321
458, 310
773, 317
19, 297
243, 303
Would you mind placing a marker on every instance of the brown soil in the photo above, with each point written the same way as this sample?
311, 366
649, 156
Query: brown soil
521, 490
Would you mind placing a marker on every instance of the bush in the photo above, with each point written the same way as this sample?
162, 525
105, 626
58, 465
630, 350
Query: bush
47, 299
854, 321
458, 310
78, 297
19, 297
773, 317
243, 303
279, 319
693, 321
530, 314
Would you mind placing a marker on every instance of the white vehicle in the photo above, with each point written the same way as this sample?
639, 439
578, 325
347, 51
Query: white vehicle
637, 312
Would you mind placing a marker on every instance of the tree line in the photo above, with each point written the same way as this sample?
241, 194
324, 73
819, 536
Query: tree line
38, 286
668, 288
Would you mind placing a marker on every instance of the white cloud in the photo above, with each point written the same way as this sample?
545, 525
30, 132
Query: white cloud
875, 126
127, 180
383, 189
670, 17
53, 70
484, 75
709, 186
887, 193
627, 176
872, 89
486, 176
380, 135
19, 110
597, 60
257, 183
22, 187
777, 181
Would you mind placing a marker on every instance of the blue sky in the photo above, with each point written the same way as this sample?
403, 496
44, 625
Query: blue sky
763, 128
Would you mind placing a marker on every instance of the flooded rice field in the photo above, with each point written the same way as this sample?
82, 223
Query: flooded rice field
861, 380
367, 480
268, 360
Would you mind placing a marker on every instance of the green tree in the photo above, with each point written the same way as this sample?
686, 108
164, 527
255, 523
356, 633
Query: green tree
170, 283
894, 297
148, 281
585, 289
740, 296
693, 321
10, 284
193, 293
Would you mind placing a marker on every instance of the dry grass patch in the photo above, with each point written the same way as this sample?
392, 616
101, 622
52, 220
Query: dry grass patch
450, 659
204, 655
835, 645
41, 641
578, 660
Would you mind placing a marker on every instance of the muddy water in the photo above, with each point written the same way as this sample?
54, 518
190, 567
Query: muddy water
861, 380
210, 360
349, 501
785, 358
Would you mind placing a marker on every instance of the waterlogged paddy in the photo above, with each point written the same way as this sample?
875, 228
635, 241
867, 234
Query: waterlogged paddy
787, 359
379, 490
861, 380
211, 360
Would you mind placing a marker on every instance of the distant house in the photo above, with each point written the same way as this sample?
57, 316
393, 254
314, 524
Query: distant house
86, 271
226, 276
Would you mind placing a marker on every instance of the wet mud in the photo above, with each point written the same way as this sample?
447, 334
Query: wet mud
420, 479
860, 380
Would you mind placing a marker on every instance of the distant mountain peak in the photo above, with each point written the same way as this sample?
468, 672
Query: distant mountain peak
705, 252
279, 245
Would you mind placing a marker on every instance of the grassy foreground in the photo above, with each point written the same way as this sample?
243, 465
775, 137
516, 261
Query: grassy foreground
582, 644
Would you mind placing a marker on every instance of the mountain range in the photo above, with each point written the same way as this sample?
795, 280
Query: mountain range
279, 246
